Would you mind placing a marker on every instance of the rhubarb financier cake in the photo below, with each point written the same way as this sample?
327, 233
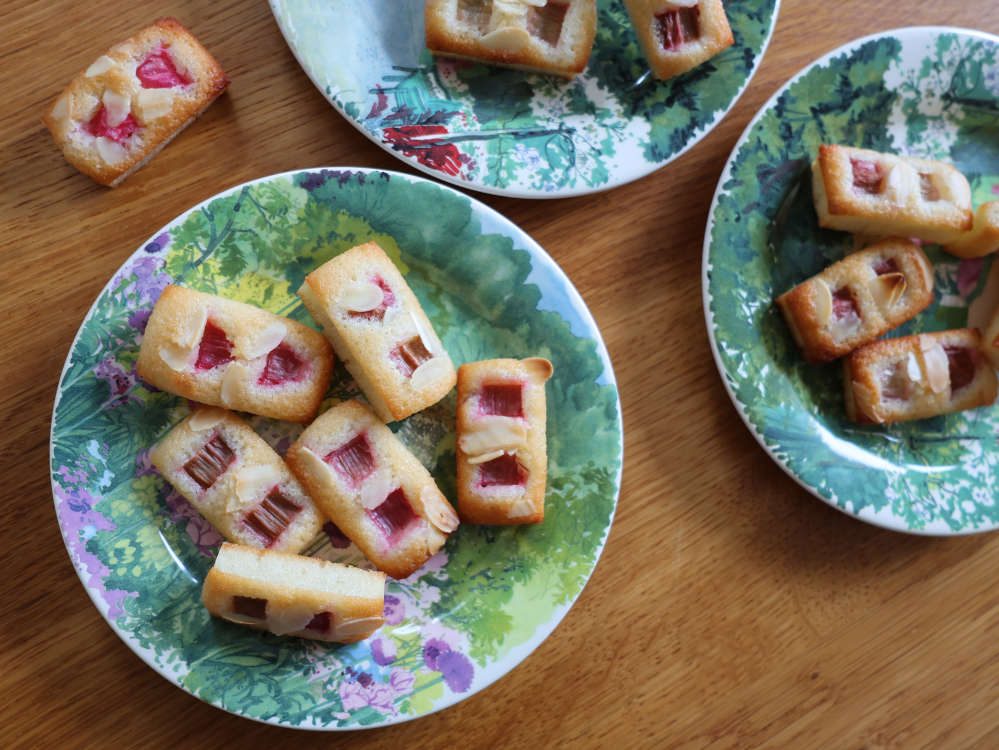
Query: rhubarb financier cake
227, 353
133, 100
502, 452
678, 35
857, 299
379, 330
983, 238
548, 36
237, 481
377, 492
294, 595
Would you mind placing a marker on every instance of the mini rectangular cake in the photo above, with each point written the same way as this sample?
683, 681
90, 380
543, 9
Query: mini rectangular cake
236, 481
678, 35
502, 451
884, 195
548, 36
983, 238
380, 331
916, 377
118, 113
293, 595
226, 353
857, 299
376, 491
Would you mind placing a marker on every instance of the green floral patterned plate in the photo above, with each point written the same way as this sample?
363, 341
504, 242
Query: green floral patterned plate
480, 605
930, 92
508, 132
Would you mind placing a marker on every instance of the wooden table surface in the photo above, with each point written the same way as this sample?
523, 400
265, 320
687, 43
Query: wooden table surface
730, 608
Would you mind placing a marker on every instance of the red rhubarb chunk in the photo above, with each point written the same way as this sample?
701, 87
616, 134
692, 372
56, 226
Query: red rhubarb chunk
961, 363
215, 348
866, 176
353, 460
678, 26
320, 622
388, 299
885, 265
928, 188
409, 355
844, 305
283, 365
210, 462
250, 606
394, 516
504, 471
98, 126
274, 514
159, 72
546, 23
504, 399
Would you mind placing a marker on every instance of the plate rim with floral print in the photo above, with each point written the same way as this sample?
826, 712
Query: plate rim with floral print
760, 391
371, 683
478, 140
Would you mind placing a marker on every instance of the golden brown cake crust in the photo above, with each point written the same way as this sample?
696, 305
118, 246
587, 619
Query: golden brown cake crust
990, 339
983, 239
883, 300
81, 98
715, 36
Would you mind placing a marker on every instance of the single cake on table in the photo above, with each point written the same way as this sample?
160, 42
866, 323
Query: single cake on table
857, 299
376, 491
884, 195
380, 331
547, 36
501, 447
133, 100
236, 481
915, 377
678, 35
225, 353
293, 595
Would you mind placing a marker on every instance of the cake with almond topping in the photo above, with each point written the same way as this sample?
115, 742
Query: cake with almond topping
501, 446
857, 299
916, 377
884, 195
678, 35
133, 100
379, 330
225, 353
294, 595
546, 36
376, 492
236, 481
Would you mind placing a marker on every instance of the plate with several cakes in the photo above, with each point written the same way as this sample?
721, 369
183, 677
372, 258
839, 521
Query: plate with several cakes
850, 284
614, 89
314, 571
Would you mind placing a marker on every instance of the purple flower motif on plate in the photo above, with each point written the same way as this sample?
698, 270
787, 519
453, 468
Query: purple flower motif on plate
432, 651
395, 610
363, 690
158, 244
456, 669
118, 379
383, 651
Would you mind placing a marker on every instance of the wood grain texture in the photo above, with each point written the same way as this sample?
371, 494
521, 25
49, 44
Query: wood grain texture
730, 609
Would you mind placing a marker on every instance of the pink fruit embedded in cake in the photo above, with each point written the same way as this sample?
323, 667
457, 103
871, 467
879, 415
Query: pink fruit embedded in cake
503, 399
210, 462
961, 364
158, 71
409, 355
320, 622
353, 460
394, 516
504, 471
866, 176
885, 265
844, 305
98, 126
250, 606
678, 26
274, 514
388, 299
215, 348
283, 365
545, 23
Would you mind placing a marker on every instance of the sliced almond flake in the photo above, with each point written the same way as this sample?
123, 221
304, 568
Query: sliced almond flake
507, 39
316, 465
116, 106
429, 373
153, 104
823, 302
110, 152
60, 110
912, 368
265, 340
483, 458
351, 627
521, 509
376, 488
177, 357
205, 418
189, 334
684, 3
888, 289
232, 383
429, 342
101, 65
539, 368
253, 482
492, 433
956, 186
288, 618
361, 296
902, 181
240, 619
437, 510
937, 369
